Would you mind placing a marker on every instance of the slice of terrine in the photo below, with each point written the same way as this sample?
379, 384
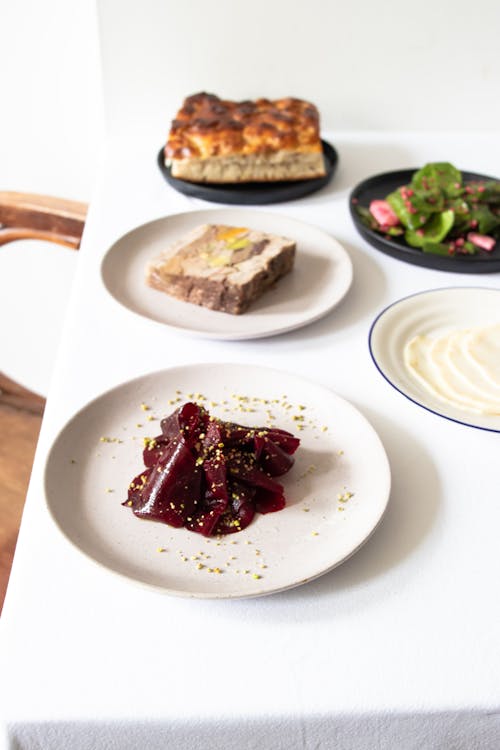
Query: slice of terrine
222, 267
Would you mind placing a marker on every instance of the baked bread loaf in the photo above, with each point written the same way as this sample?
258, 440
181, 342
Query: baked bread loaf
221, 267
217, 141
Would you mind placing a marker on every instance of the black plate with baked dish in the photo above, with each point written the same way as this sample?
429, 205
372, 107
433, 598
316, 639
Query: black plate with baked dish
254, 193
377, 188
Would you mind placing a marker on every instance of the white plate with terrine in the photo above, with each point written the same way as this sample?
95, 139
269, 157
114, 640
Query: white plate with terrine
336, 492
320, 278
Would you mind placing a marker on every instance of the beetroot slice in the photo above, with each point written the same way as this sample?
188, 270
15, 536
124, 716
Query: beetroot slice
288, 442
267, 501
274, 459
154, 450
241, 509
214, 465
172, 489
135, 488
209, 475
255, 477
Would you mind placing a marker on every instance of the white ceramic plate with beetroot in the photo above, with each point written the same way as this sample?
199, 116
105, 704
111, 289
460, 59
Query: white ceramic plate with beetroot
336, 492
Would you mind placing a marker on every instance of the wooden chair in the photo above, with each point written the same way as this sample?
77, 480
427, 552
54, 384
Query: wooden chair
24, 216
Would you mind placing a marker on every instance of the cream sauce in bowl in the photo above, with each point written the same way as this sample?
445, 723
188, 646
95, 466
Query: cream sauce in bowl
441, 349
461, 367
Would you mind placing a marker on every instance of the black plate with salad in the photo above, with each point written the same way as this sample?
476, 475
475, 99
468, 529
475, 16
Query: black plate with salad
436, 217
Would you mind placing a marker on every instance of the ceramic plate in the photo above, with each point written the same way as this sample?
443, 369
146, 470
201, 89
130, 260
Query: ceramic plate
431, 313
321, 277
254, 193
378, 187
98, 453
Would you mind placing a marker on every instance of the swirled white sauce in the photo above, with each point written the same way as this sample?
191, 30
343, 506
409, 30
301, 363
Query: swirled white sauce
461, 367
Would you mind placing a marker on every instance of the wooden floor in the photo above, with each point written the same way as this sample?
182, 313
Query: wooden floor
20, 420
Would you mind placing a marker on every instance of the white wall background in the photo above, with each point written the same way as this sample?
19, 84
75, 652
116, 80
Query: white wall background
422, 65
426, 65
51, 114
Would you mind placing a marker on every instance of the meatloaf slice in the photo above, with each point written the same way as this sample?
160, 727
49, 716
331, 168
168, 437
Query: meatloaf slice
222, 267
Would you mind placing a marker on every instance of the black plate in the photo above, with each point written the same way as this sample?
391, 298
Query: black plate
254, 193
377, 188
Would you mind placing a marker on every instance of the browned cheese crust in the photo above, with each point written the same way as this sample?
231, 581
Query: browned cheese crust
220, 141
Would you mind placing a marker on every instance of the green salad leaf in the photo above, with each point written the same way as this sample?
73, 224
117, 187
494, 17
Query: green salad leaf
433, 231
486, 219
411, 213
366, 218
491, 193
440, 176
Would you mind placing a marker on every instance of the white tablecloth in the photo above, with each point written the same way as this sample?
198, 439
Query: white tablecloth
397, 648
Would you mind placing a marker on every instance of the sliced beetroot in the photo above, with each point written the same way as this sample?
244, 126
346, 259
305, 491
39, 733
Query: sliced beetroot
216, 477
188, 422
134, 499
238, 436
255, 477
240, 511
214, 461
273, 458
170, 426
240, 494
172, 489
230, 523
267, 501
284, 439
209, 475
203, 523
154, 449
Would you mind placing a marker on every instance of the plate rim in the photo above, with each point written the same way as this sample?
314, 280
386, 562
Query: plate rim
225, 195
237, 336
211, 595
387, 378
408, 254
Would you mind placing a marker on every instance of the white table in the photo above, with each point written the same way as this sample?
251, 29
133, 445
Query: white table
397, 648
